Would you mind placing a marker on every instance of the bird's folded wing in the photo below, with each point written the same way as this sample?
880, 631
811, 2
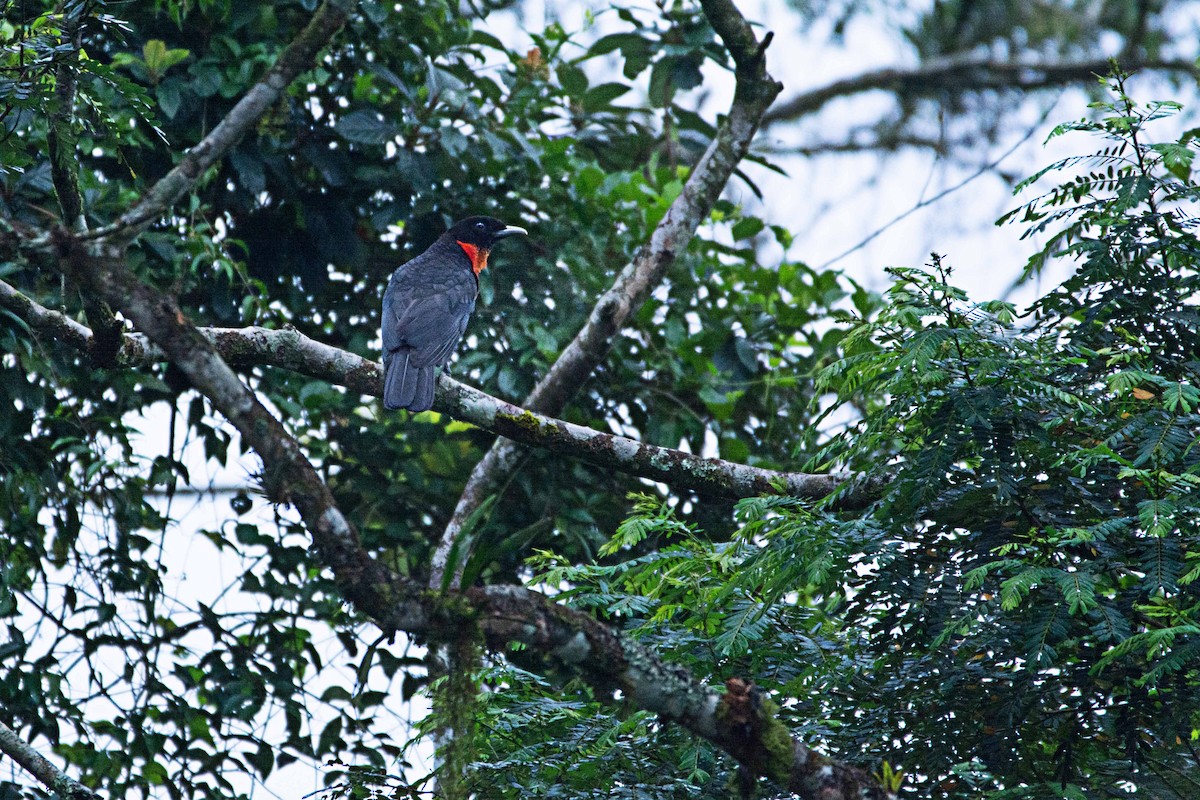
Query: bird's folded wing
429, 322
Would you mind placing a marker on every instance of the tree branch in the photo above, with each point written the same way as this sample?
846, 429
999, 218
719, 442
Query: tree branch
887, 143
39, 767
48, 324
289, 349
740, 721
297, 57
754, 93
61, 138
678, 469
958, 74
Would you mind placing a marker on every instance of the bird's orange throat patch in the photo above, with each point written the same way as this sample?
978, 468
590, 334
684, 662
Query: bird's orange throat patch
477, 255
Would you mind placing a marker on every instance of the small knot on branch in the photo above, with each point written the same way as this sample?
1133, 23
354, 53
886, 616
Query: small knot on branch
760, 53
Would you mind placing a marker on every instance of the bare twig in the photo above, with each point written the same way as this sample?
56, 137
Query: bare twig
949, 190
962, 73
754, 93
886, 143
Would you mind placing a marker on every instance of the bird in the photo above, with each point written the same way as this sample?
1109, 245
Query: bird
426, 307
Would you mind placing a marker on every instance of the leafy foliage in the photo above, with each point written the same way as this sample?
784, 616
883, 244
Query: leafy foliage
1030, 600
1015, 615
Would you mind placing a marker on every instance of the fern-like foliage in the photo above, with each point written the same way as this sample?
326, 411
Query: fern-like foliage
1030, 609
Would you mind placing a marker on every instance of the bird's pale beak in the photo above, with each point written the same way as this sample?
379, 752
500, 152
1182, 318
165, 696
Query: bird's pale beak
510, 230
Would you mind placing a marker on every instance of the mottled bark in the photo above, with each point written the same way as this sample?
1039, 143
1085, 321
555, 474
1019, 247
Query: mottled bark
40, 768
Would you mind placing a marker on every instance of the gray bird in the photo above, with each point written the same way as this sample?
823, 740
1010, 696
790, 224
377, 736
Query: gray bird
426, 307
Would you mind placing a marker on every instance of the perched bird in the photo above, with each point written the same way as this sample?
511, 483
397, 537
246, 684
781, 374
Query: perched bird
426, 307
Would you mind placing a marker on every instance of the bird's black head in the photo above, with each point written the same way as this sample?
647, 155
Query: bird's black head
482, 232
476, 235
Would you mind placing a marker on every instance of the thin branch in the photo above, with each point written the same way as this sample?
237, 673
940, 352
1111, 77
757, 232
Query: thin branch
959, 74
290, 349
928, 201
39, 767
754, 92
887, 143
297, 57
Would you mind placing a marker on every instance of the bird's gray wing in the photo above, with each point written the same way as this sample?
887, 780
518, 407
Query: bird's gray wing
430, 323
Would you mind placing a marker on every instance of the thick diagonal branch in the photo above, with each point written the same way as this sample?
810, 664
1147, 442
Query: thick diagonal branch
39, 767
288, 477
292, 350
963, 73
740, 721
297, 57
754, 93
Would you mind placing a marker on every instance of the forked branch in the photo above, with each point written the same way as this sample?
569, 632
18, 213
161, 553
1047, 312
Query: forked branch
753, 95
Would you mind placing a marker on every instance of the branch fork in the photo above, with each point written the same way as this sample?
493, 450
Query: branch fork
754, 92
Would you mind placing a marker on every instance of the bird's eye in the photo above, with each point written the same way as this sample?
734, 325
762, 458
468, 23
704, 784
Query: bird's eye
481, 226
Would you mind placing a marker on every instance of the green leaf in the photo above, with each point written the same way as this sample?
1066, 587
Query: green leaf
600, 97
366, 127
747, 227
331, 737
168, 98
625, 42
1177, 158
158, 59
155, 773
573, 80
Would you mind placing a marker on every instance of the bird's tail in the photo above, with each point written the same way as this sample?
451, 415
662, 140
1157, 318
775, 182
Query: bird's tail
406, 386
